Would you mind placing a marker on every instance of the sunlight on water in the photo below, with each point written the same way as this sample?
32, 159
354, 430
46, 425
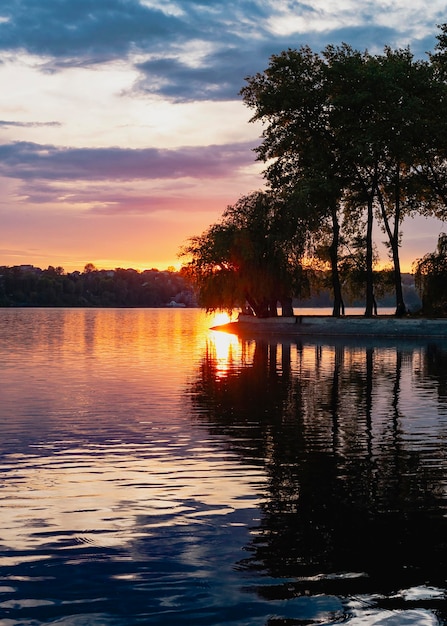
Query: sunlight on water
225, 350
154, 471
96, 496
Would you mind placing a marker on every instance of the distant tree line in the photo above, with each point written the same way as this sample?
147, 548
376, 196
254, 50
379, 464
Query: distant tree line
350, 140
32, 286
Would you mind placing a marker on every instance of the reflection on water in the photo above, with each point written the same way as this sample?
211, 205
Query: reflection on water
155, 472
352, 439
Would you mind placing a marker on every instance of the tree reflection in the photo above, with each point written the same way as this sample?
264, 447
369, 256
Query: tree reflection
434, 368
356, 491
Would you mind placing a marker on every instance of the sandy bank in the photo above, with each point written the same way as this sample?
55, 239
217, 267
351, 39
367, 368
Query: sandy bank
348, 326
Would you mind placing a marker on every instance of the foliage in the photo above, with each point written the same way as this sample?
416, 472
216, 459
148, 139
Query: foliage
350, 137
251, 256
291, 99
431, 279
31, 286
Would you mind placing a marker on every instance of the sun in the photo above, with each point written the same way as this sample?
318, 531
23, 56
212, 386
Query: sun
221, 318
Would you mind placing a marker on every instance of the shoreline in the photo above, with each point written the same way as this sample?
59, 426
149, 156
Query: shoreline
349, 326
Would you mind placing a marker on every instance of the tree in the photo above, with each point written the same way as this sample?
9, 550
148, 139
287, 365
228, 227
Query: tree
363, 128
54, 271
433, 167
408, 135
290, 97
394, 119
430, 274
351, 94
250, 256
380, 108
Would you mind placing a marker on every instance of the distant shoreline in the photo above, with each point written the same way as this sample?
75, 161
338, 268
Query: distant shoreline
348, 326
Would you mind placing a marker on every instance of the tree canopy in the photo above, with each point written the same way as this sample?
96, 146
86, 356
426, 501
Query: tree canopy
251, 256
350, 140
431, 278
32, 286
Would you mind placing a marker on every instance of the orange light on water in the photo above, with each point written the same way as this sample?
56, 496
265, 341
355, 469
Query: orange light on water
225, 347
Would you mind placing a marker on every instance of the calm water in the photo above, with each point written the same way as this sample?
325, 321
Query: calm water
156, 472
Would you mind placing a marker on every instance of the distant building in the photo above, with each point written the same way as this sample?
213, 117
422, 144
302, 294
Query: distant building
176, 305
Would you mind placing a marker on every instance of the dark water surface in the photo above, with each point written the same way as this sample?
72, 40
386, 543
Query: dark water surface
156, 472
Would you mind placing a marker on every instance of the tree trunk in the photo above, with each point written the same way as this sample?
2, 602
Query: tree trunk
260, 309
393, 238
287, 307
273, 307
401, 309
338, 308
369, 309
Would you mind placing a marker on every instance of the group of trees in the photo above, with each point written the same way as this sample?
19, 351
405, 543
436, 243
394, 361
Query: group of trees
31, 286
350, 140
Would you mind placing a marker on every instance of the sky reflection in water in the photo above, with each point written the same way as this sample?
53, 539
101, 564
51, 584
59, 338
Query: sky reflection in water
154, 471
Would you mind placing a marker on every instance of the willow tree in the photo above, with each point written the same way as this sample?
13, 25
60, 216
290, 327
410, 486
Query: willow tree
431, 278
251, 256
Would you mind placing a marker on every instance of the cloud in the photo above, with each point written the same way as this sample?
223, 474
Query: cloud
219, 75
85, 31
29, 161
126, 204
119, 181
195, 50
10, 124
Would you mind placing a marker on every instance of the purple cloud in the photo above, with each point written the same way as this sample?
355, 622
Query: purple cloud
30, 161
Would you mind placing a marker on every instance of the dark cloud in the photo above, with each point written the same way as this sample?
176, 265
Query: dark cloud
220, 76
10, 123
87, 31
30, 161
235, 36
83, 31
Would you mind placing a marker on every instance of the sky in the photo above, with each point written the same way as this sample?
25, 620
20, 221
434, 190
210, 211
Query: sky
122, 131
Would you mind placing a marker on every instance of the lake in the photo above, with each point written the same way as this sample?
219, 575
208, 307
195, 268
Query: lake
156, 472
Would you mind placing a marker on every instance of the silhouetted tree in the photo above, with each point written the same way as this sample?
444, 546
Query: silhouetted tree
431, 279
349, 136
252, 255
